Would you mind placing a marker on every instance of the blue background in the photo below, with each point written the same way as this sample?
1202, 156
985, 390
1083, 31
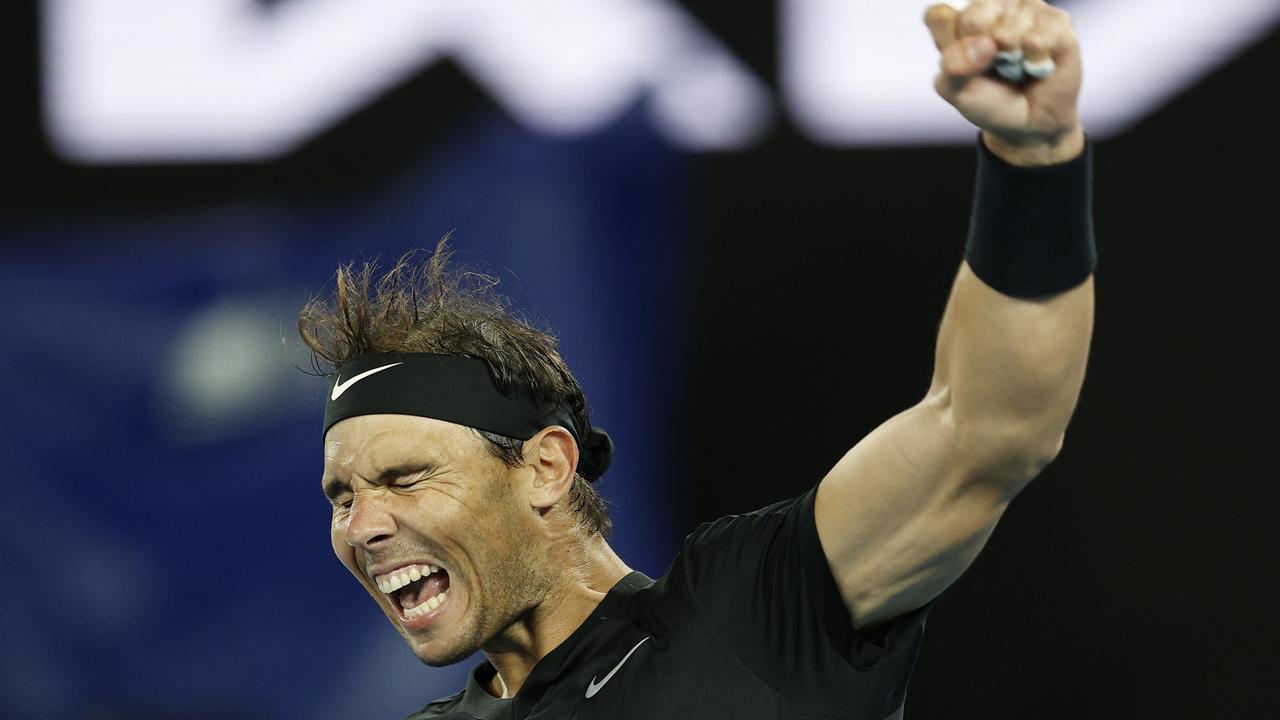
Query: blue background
164, 450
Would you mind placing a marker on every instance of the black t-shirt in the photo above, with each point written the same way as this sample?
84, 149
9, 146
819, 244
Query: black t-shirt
746, 624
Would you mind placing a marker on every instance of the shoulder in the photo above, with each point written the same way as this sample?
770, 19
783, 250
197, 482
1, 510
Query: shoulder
766, 571
742, 528
728, 548
437, 708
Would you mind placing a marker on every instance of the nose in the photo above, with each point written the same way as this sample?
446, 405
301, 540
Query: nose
370, 522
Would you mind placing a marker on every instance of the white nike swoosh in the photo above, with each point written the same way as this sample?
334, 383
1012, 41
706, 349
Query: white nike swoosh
593, 687
342, 387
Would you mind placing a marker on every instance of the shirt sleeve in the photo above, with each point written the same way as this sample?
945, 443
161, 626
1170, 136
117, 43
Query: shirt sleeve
762, 586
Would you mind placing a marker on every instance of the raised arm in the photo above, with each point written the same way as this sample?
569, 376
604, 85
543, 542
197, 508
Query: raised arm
906, 511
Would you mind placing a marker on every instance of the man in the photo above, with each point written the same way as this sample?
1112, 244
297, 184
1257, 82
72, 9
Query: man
459, 457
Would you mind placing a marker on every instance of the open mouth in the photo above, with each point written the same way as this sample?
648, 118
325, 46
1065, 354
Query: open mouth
415, 590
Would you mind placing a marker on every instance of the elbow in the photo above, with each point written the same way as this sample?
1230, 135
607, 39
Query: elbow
1011, 456
1025, 460
1006, 448
1039, 454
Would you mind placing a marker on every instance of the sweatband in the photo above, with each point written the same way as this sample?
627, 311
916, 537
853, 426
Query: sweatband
456, 389
1031, 229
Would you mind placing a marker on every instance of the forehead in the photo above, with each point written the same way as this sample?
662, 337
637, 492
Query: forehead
382, 439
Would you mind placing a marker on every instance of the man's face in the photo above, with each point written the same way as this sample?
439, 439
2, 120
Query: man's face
411, 492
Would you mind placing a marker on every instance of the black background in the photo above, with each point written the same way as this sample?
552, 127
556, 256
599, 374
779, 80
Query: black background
1132, 579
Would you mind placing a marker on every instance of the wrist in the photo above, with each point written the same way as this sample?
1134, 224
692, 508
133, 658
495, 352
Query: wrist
1031, 228
1065, 147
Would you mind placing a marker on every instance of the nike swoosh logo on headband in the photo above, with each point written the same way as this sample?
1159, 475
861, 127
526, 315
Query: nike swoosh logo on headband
342, 387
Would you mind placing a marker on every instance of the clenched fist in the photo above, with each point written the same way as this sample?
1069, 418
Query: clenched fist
1033, 122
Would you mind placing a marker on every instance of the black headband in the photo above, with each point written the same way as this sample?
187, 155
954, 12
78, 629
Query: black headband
459, 390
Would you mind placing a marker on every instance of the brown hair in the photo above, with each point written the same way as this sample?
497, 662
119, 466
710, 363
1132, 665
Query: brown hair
425, 305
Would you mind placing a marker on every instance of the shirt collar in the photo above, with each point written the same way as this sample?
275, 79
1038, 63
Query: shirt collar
479, 703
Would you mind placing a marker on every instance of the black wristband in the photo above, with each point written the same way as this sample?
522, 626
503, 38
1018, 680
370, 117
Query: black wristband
1031, 230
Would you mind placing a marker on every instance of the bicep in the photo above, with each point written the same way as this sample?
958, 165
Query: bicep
904, 513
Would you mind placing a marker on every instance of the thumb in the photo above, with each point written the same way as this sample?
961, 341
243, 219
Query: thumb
971, 56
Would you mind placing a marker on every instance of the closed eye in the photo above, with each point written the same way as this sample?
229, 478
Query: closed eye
399, 477
408, 477
405, 475
336, 490
409, 482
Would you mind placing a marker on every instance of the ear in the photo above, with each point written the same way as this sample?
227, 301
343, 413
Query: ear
553, 455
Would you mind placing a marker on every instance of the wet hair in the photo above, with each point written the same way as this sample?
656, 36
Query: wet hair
425, 304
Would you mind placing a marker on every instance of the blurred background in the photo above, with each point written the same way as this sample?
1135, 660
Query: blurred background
741, 219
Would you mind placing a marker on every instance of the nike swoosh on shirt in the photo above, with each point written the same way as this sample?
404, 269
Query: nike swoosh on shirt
342, 387
593, 687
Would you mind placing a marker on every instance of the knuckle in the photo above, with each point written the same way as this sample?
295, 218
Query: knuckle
1057, 15
1055, 30
1005, 35
979, 17
1062, 36
938, 14
974, 24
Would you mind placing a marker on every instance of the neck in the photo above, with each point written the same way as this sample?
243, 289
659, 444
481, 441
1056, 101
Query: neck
588, 569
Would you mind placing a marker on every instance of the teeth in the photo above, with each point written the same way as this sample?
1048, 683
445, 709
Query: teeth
429, 605
392, 582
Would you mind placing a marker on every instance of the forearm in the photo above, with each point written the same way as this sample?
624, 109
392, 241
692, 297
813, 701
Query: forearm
1011, 368
1010, 362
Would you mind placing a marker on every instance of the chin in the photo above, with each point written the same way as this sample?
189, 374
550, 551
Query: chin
442, 657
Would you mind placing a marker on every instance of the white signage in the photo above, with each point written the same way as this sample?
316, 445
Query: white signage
860, 72
218, 80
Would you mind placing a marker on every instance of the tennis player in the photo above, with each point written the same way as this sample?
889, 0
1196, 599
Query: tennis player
460, 459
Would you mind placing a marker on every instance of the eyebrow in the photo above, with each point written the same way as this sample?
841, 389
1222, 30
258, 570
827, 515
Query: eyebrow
333, 487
